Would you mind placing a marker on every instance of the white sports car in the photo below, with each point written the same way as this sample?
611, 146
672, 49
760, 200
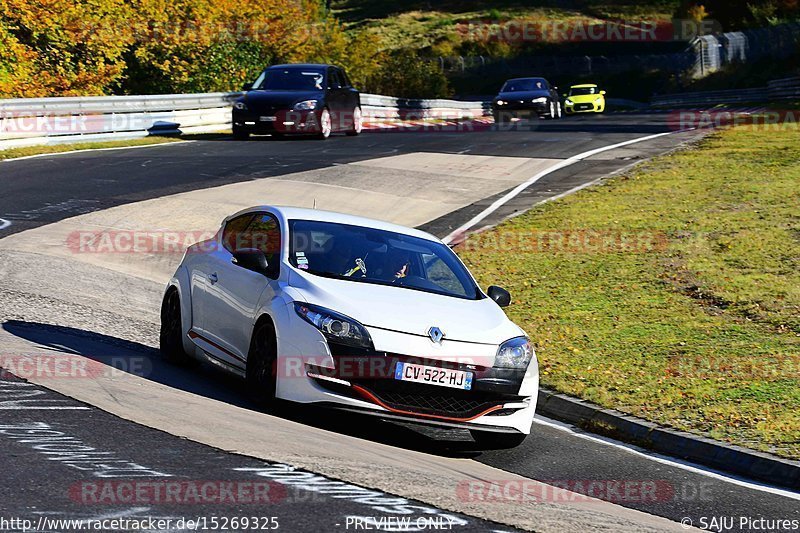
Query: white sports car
358, 314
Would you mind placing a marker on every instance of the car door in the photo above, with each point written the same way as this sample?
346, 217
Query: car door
236, 293
352, 97
337, 99
201, 267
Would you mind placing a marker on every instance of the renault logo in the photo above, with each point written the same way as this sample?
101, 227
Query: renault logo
436, 334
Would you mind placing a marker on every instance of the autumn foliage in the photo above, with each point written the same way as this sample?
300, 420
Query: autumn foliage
95, 47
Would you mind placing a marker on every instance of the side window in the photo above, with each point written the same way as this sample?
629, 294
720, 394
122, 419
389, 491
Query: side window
264, 233
345, 79
233, 230
334, 82
442, 275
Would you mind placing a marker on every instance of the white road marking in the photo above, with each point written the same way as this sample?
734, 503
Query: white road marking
70, 451
96, 150
4, 223
376, 500
21, 395
669, 461
497, 204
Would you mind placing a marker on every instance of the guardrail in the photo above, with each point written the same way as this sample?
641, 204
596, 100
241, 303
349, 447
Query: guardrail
36, 121
783, 89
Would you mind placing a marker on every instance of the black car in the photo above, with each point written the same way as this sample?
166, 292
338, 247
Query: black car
526, 98
306, 99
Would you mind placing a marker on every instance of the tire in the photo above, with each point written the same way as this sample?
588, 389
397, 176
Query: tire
325, 125
171, 333
357, 125
261, 365
485, 440
240, 134
551, 114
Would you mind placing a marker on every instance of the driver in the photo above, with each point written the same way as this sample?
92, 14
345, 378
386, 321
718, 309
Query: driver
336, 255
398, 265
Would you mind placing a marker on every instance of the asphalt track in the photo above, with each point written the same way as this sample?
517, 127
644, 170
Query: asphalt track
41, 191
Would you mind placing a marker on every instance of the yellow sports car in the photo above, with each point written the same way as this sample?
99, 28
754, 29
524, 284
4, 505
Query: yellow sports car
586, 98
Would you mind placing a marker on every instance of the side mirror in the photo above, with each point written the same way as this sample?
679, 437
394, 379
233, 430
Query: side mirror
247, 87
555, 88
251, 259
499, 295
563, 95
602, 92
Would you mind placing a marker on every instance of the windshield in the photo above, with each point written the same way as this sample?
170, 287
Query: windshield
380, 257
580, 91
290, 79
532, 84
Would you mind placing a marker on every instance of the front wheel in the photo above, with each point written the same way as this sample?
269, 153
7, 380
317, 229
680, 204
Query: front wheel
486, 440
171, 334
261, 365
551, 113
325, 125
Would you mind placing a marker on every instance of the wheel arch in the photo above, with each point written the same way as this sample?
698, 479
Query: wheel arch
180, 283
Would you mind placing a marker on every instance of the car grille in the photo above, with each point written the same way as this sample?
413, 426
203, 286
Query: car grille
418, 398
431, 400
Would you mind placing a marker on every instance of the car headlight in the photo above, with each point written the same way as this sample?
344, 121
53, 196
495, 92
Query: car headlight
568, 101
501, 102
334, 326
240, 105
305, 105
514, 353
598, 100
540, 100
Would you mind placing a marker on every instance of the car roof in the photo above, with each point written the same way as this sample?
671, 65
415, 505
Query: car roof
583, 86
301, 65
528, 78
301, 213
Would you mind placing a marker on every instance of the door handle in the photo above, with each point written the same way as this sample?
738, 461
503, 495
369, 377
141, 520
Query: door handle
213, 278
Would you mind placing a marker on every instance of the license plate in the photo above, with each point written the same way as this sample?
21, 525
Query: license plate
268, 119
443, 377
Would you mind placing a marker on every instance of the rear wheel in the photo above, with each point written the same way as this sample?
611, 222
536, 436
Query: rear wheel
485, 440
171, 334
358, 123
261, 365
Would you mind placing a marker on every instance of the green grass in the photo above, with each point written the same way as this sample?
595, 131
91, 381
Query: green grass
419, 24
698, 330
12, 153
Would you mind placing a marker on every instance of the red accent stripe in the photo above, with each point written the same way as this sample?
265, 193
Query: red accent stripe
195, 335
374, 399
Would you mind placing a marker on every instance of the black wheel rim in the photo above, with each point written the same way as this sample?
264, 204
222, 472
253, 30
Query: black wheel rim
173, 316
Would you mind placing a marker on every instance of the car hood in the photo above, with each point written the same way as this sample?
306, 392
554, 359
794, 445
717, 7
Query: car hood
278, 99
522, 95
407, 310
585, 98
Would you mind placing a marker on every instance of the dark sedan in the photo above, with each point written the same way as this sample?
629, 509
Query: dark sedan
526, 98
305, 99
